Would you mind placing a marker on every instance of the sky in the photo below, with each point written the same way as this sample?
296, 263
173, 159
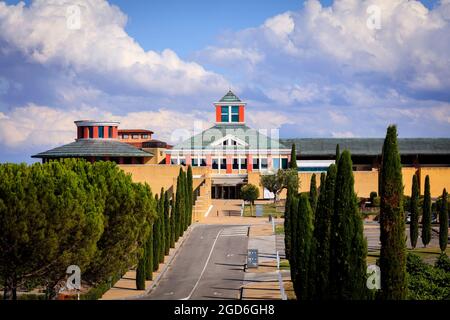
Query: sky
308, 68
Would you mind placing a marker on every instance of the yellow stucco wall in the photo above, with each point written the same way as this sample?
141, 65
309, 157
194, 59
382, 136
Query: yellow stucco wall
439, 179
162, 176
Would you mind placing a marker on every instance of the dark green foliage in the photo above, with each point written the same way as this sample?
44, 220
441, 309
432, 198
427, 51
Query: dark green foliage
323, 176
392, 221
162, 228
426, 215
338, 154
250, 193
302, 247
69, 212
293, 161
148, 256
190, 196
443, 222
348, 249
426, 282
293, 227
313, 192
179, 205
322, 236
173, 223
140, 275
414, 210
167, 231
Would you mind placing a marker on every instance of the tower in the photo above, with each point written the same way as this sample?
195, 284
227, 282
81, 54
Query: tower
230, 109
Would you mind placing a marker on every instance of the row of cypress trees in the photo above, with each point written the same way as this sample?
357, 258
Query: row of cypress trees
426, 215
325, 241
173, 217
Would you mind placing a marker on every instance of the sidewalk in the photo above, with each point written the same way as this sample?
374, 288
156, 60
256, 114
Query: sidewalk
125, 288
264, 282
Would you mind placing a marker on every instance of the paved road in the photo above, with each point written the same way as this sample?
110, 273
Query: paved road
210, 265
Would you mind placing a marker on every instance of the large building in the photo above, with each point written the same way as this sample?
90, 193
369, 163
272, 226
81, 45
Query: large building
231, 149
230, 154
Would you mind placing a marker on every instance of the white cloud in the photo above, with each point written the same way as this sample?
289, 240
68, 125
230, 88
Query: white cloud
344, 134
101, 46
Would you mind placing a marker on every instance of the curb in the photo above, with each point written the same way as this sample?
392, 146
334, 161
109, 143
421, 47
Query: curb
164, 269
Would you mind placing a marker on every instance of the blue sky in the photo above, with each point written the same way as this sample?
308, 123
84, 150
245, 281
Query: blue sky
309, 68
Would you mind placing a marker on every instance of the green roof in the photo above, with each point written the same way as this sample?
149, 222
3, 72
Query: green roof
368, 146
94, 148
252, 139
230, 97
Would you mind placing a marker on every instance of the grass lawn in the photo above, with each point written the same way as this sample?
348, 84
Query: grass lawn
268, 209
428, 255
279, 229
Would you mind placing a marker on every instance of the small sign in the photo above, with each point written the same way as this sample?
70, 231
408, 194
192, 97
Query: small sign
252, 258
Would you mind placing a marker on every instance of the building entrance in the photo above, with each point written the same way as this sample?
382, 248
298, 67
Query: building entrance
226, 192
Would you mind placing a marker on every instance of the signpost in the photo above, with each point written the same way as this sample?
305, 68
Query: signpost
252, 258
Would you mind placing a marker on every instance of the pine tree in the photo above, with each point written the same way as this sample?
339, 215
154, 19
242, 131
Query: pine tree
426, 215
348, 249
443, 222
392, 221
302, 250
414, 209
313, 192
322, 235
167, 223
190, 195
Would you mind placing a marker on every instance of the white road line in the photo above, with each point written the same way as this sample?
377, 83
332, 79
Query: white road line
204, 267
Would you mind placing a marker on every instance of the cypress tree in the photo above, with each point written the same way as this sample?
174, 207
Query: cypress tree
140, 274
313, 192
149, 256
322, 235
302, 250
338, 154
178, 205
173, 224
156, 235
392, 221
443, 222
426, 216
162, 228
414, 209
293, 231
293, 161
190, 195
292, 191
323, 177
167, 223
348, 248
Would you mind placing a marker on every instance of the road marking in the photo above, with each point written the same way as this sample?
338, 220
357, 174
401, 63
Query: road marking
235, 232
204, 267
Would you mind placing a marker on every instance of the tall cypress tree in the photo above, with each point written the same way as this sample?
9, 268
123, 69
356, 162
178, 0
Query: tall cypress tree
348, 249
162, 228
149, 256
322, 235
426, 215
338, 154
167, 223
179, 200
173, 223
190, 195
140, 274
313, 192
392, 221
414, 209
443, 222
292, 191
293, 161
156, 235
302, 249
323, 177
293, 242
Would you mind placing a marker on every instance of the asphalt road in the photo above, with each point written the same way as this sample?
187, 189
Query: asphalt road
209, 265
